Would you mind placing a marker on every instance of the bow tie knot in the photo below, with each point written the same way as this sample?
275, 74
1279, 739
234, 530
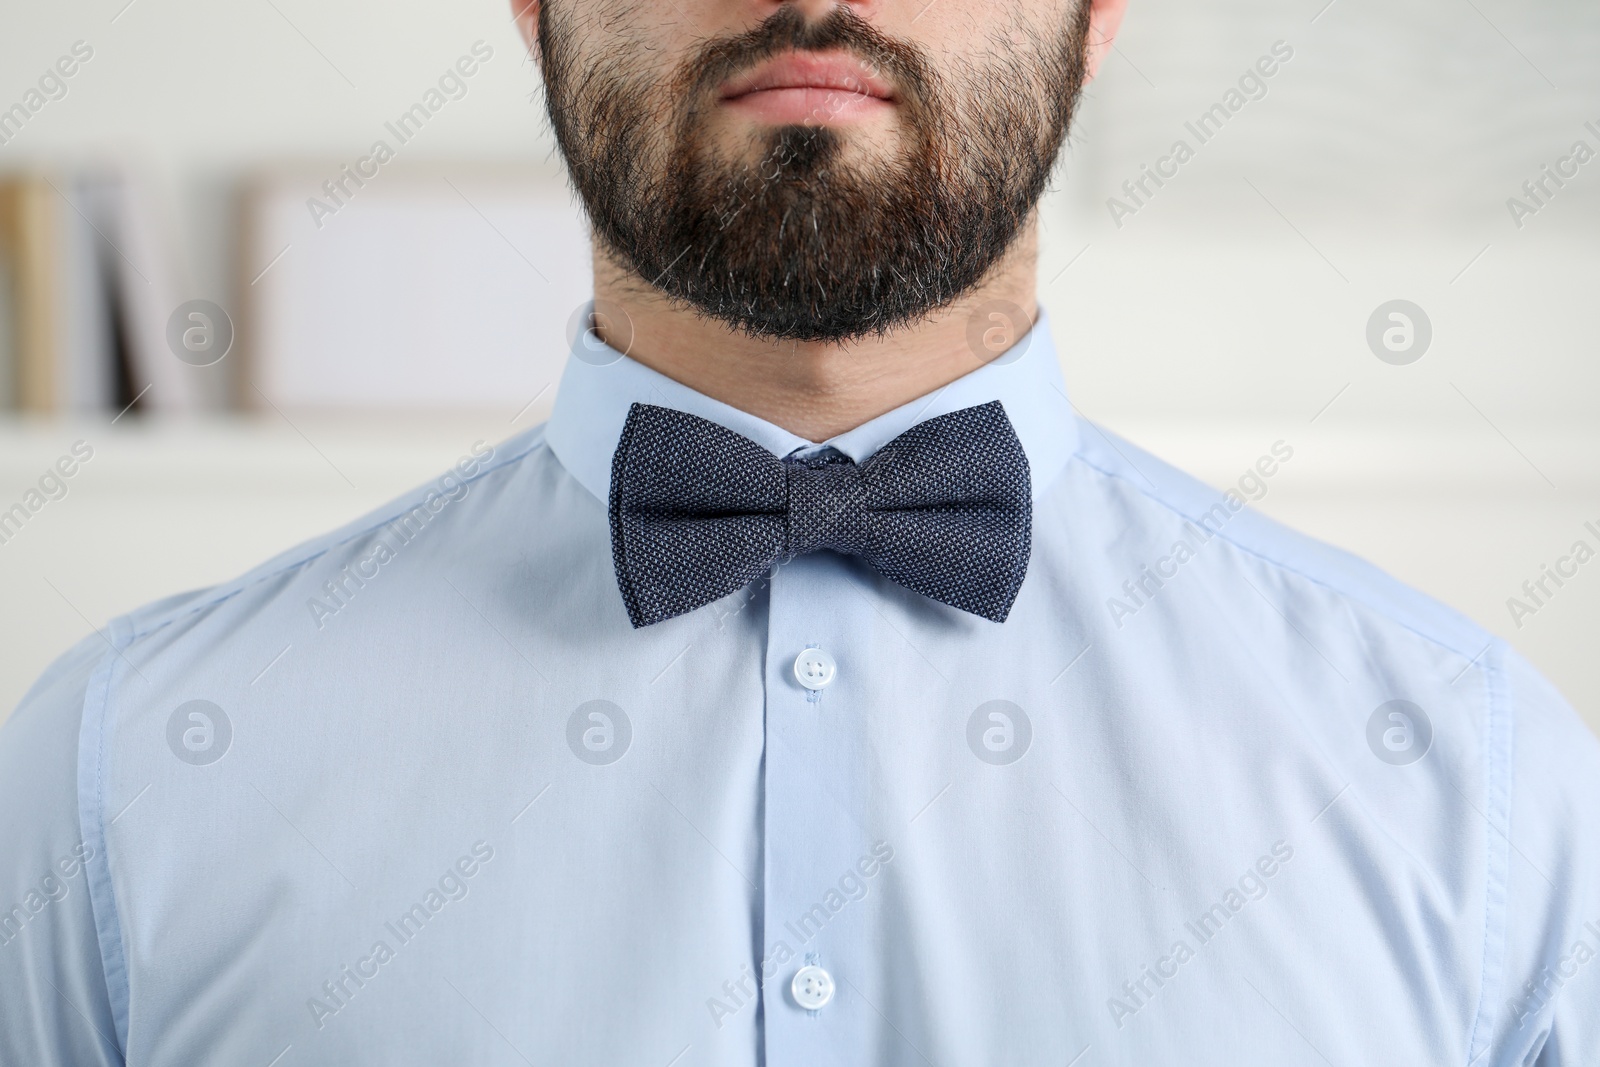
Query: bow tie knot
825, 506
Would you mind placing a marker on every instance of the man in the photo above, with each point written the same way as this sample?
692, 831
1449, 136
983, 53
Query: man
814, 688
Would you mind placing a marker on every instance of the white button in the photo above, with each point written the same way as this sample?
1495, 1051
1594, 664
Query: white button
814, 668
812, 988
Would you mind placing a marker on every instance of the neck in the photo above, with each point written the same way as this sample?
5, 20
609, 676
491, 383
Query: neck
818, 389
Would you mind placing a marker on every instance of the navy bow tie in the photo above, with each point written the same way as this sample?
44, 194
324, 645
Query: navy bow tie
698, 511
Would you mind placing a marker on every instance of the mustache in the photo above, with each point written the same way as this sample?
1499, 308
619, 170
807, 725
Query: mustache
786, 30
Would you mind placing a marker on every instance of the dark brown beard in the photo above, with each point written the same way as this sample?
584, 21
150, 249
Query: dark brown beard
799, 246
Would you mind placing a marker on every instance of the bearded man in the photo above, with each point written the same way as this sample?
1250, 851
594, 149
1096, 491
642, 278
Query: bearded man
815, 688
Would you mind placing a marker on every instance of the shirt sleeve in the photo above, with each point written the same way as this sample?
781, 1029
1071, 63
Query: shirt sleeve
1548, 1010
54, 1004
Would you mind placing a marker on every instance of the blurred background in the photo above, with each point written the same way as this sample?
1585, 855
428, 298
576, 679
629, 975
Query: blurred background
264, 265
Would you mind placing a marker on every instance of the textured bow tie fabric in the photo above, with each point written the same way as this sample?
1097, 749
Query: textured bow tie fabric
699, 511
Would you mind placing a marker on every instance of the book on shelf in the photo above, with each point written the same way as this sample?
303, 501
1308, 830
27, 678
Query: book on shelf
28, 256
85, 293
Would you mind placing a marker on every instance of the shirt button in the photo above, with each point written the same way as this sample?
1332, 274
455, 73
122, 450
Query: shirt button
812, 987
814, 668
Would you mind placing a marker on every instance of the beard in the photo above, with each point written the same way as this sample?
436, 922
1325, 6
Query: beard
801, 243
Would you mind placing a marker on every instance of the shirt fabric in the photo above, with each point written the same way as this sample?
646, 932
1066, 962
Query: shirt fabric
416, 792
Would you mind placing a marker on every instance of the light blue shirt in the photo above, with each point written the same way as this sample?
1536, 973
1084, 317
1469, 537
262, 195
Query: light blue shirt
416, 792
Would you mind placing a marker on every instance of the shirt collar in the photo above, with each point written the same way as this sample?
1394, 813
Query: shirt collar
600, 384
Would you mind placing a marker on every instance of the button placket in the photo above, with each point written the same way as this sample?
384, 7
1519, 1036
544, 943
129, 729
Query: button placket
814, 783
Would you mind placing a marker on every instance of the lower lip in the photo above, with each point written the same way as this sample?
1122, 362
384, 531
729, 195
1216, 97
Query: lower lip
808, 106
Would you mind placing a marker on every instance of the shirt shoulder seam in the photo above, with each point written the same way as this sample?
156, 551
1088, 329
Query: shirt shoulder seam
92, 830
316, 548
1498, 773
1259, 554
